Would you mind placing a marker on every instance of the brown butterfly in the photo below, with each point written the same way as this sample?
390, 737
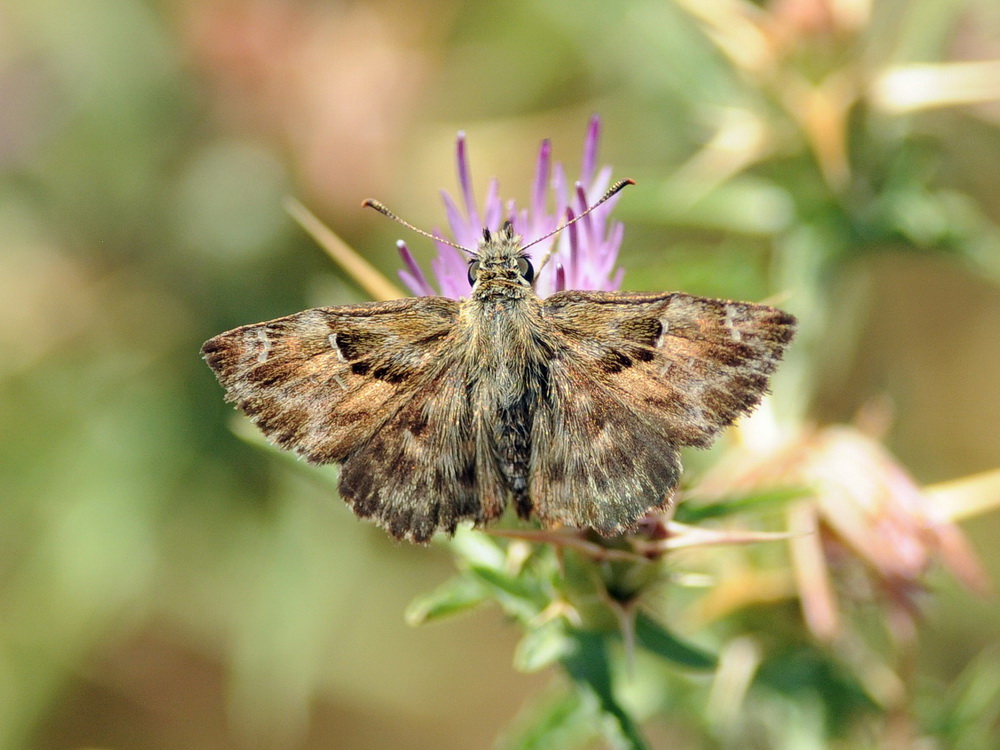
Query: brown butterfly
442, 411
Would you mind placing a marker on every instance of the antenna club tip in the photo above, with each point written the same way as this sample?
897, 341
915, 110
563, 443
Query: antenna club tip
380, 207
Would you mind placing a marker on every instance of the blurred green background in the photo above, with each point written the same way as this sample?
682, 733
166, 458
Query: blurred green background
164, 584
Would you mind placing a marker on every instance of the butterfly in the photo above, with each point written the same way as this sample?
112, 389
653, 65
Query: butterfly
573, 408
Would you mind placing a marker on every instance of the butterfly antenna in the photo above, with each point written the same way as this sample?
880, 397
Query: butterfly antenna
612, 191
370, 203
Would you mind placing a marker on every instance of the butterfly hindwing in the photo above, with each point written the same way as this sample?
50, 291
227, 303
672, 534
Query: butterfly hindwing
595, 461
425, 471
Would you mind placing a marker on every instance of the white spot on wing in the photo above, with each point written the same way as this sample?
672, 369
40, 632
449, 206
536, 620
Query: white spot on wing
265, 344
333, 345
664, 330
730, 323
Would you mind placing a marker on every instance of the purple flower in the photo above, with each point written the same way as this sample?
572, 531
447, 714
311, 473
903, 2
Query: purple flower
583, 255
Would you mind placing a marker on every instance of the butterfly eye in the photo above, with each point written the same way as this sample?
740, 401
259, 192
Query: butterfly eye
473, 272
526, 270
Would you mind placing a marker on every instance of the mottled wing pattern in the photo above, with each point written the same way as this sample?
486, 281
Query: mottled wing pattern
359, 385
322, 381
596, 462
634, 376
424, 471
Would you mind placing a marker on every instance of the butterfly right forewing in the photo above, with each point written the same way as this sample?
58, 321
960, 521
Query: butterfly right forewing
323, 381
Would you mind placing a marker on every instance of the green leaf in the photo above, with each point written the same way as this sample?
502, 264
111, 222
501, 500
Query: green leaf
806, 672
562, 722
691, 513
590, 669
542, 646
966, 713
477, 548
654, 638
452, 597
516, 586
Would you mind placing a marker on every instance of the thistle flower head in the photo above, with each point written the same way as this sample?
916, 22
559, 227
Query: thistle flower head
583, 256
865, 508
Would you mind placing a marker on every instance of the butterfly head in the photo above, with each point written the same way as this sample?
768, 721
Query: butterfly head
500, 267
500, 263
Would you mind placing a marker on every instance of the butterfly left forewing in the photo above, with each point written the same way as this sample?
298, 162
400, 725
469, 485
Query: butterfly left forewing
635, 376
694, 363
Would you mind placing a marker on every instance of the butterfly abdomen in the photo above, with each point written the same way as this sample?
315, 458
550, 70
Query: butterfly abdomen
511, 435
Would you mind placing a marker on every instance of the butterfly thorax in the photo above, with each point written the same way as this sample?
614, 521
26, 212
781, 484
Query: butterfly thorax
503, 317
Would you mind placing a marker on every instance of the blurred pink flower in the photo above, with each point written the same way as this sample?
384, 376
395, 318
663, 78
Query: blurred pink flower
583, 256
333, 86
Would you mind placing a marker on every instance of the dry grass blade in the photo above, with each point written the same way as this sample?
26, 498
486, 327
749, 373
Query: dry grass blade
364, 273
